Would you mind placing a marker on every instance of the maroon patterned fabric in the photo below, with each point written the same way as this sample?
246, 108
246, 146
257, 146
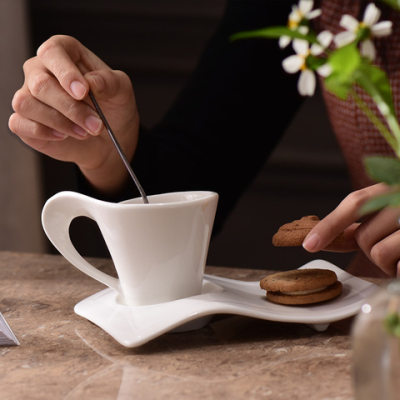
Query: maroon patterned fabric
356, 135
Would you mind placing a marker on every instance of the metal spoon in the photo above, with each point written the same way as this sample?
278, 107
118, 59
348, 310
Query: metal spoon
118, 147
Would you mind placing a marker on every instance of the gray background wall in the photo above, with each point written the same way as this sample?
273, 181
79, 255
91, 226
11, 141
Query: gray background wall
20, 179
306, 174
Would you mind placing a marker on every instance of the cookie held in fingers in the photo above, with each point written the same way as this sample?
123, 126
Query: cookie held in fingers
293, 233
302, 286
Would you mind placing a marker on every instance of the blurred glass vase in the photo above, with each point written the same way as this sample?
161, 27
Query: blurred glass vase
376, 346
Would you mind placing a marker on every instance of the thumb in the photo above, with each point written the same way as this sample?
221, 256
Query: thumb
109, 85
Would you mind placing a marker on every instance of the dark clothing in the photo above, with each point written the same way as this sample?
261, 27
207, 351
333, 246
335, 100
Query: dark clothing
228, 118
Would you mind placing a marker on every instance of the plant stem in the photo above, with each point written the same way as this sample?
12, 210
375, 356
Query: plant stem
387, 135
384, 108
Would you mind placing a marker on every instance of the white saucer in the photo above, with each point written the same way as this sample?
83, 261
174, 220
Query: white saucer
134, 326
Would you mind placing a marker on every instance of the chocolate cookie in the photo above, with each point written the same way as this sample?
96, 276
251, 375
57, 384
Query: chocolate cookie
294, 233
301, 286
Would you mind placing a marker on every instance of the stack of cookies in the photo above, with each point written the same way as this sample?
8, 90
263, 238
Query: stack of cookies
300, 286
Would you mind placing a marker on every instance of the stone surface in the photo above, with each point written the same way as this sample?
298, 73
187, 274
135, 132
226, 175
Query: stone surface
63, 356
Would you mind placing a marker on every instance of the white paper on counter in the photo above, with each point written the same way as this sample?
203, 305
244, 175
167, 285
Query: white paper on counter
7, 337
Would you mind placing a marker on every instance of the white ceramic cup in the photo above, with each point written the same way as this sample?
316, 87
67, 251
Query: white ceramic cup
159, 249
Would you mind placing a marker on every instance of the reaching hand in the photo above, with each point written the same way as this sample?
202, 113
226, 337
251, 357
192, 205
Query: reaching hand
54, 115
378, 235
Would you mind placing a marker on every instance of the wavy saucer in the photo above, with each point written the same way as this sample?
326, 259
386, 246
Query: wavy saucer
134, 326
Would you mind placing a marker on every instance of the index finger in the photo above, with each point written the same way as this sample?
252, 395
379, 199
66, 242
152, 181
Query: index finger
67, 59
342, 217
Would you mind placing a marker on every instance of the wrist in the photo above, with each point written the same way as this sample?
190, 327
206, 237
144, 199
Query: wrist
107, 179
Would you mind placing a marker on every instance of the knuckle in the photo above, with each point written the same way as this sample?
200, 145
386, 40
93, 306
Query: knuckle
45, 47
36, 131
72, 111
65, 76
13, 123
27, 64
123, 76
357, 198
20, 101
53, 42
38, 83
379, 255
362, 236
98, 78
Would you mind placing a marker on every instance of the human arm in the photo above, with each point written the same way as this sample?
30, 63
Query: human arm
54, 116
228, 118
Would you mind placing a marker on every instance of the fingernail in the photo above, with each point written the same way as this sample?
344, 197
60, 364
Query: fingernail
79, 131
311, 242
93, 124
78, 89
59, 135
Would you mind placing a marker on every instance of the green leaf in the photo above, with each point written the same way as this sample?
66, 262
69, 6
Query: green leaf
392, 323
393, 3
337, 87
314, 62
384, 131
383, 169
273, 32
375, 82
344, 62
392, 320
377, 203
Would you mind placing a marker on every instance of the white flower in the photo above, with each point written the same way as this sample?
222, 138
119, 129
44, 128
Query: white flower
324, 70
370, 26
300, 13
324, 39
284, 41
298, 62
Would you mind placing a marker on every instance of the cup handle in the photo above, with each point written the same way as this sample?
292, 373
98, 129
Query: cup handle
57, 215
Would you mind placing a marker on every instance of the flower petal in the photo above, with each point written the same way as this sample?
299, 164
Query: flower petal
305, 6
314, 14
307, 82
316, 49
383, 28
371, 14
325, 38
300, 46
292, 64
295, 16
349, 22
344, 38
284, 41
367, 49
303, 29
324, 70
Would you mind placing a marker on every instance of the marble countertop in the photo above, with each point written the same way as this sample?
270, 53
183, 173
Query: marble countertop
63, 356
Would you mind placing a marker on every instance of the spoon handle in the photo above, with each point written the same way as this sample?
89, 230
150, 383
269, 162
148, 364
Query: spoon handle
118, 147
